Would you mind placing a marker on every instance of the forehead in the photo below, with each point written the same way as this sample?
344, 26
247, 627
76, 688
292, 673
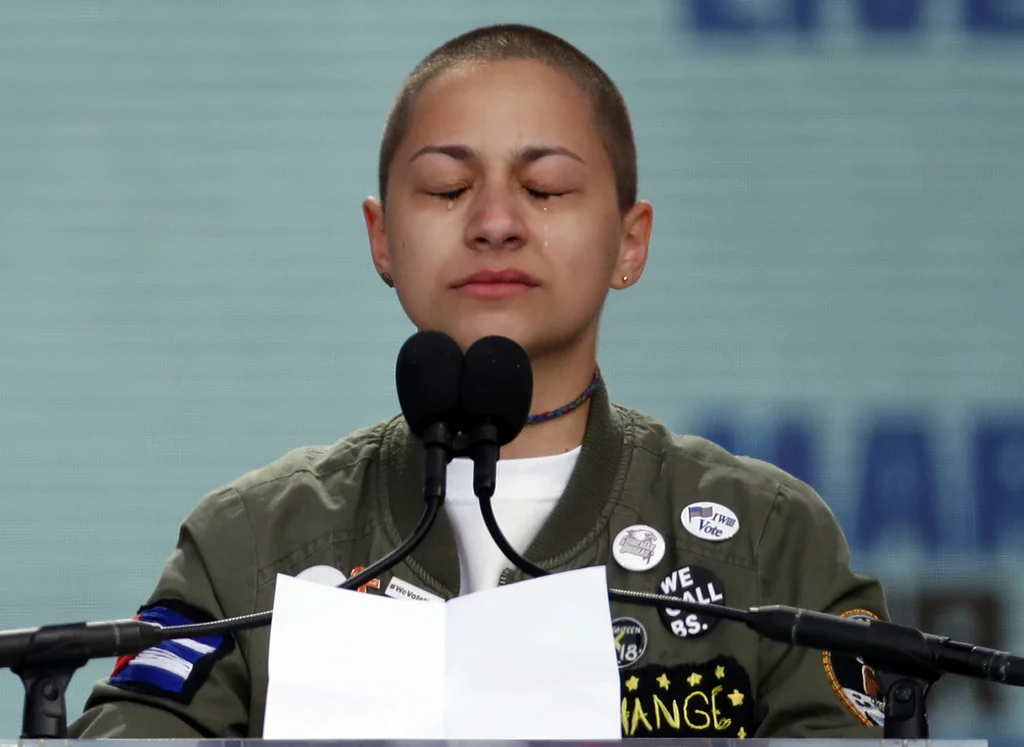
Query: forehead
504, 102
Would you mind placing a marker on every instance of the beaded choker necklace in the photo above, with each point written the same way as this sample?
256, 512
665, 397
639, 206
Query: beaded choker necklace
570, 406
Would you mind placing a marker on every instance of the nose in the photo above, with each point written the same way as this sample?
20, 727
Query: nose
496, 220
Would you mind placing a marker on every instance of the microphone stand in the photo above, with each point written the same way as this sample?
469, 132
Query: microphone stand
46, 658
906, 660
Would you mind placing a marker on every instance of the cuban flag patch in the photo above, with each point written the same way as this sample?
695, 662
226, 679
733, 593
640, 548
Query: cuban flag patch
174, 669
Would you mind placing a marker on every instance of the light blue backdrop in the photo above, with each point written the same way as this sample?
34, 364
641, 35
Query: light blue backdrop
837, 277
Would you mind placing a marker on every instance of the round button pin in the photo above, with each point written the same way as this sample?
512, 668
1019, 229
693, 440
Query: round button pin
323, 574
638, 548
630, 640
693, 584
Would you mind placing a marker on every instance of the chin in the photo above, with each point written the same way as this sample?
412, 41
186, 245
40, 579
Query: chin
537, 338
466, 338
465, 332
537, 344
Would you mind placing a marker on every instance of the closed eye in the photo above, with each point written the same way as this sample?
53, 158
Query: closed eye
450, 195
541, 195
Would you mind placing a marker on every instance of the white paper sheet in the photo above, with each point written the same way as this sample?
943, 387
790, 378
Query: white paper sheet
532, 660
340, 662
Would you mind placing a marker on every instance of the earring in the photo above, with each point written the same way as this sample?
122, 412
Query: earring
625, 279
388, 281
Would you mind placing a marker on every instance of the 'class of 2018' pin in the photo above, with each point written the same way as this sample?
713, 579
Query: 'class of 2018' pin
630, 640
691, 583
710, 521
638, 547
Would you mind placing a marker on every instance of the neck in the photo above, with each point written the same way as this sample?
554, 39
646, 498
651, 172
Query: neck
555, 383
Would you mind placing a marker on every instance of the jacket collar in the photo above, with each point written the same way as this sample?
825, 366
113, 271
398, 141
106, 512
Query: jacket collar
577, 519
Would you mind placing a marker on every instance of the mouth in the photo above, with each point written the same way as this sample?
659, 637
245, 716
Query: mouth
490, 284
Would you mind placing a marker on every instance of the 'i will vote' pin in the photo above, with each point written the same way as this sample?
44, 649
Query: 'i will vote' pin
710, 521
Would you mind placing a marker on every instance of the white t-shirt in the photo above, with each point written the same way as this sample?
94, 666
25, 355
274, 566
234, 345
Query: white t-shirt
525, 493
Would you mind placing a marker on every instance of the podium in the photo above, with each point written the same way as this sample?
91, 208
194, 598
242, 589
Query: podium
661, 742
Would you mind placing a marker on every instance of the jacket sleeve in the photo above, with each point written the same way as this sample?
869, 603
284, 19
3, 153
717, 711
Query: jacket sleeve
197, 687
804, 561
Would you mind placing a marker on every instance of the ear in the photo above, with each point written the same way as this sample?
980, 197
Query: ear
636, 240
373, 214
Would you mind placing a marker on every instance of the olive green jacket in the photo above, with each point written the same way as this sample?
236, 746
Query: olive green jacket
349, 504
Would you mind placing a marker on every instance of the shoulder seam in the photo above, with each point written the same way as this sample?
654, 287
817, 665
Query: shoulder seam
738, 460
760, 537
301, 470
244, 494
309, 549
255, 552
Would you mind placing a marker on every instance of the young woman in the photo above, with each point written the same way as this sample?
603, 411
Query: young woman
508, 207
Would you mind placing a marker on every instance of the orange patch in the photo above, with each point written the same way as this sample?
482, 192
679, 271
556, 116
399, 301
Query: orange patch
373, 583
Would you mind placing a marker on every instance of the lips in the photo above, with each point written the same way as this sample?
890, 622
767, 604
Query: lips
510, 275
491, 284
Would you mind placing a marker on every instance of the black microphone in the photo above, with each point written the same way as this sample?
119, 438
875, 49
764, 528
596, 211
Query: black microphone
886, 645
428, 375
494, 402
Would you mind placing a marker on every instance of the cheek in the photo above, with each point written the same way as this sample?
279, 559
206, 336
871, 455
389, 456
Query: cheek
417, 261
412, 252
587, 246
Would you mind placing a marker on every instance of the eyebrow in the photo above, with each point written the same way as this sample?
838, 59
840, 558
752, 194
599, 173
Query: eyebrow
520, 156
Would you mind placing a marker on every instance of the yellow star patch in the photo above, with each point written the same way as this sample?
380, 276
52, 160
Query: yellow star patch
632, 683
742, 733
736, 697
694, 679
664, 681
719, 673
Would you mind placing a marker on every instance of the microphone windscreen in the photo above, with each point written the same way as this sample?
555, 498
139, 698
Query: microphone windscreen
497, 387
428, 374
